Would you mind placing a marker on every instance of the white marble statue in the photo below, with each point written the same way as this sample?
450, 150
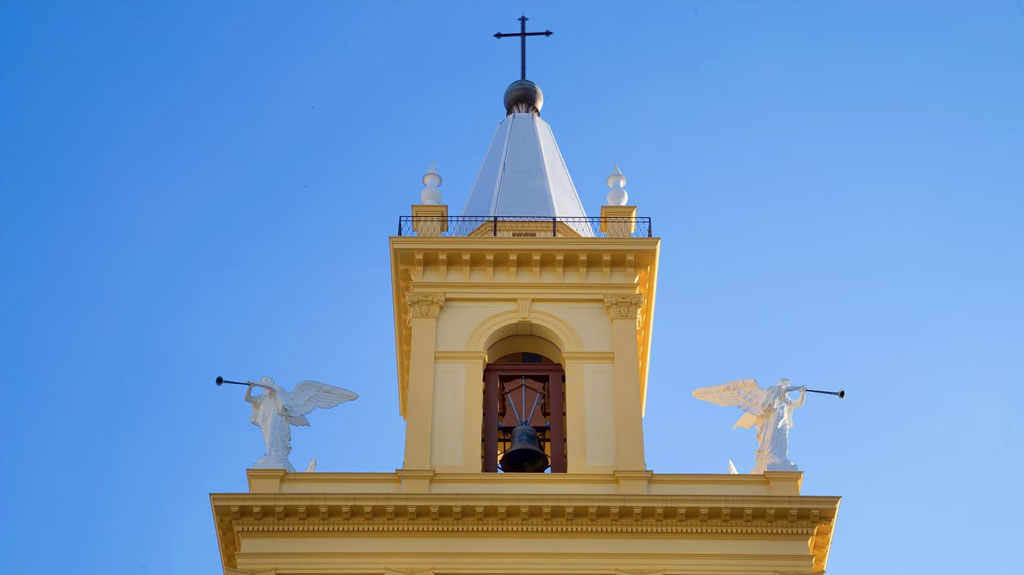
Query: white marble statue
275, 410
770, 409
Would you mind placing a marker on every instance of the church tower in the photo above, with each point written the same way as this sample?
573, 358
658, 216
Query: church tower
522, 332
522, 305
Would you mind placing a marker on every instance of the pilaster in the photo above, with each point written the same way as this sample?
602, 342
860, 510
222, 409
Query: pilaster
628, 402
423, 311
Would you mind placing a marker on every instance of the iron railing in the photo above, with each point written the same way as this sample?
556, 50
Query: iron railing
524, 226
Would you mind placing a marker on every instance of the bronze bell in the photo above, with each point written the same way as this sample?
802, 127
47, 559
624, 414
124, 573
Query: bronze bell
525, 454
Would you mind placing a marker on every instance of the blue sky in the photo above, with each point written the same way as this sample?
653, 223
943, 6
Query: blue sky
839, 187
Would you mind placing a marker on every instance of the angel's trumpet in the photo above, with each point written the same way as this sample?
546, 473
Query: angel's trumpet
221, 381
841, 393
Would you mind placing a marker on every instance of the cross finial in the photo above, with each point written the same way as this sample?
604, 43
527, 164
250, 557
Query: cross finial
522, 35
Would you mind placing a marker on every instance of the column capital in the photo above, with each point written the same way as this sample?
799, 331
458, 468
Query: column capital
424, 304
624, 306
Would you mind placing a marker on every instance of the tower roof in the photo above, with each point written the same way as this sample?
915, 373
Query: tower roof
523, 173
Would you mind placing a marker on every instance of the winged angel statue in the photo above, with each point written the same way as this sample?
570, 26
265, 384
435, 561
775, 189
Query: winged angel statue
276, 410
771, 410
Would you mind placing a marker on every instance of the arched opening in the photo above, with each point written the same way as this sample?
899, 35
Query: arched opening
524, 384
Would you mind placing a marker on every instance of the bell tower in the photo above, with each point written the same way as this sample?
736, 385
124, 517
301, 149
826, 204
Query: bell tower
523, 303
522, 336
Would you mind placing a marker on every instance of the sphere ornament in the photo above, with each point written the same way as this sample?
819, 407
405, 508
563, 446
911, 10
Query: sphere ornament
523, 96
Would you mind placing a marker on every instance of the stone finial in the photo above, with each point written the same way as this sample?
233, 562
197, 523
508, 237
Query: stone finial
617, 195
431, 194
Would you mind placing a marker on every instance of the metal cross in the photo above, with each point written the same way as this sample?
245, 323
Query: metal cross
522, 35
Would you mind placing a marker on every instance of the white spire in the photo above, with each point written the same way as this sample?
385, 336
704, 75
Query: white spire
431, 194
524, 174
617, 195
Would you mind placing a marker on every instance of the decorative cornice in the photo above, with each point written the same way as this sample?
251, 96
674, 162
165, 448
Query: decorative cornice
426, 515
624, 306
427, 523
239, 515
424, 304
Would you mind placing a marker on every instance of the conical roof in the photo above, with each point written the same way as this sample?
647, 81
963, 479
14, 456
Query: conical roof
523, 173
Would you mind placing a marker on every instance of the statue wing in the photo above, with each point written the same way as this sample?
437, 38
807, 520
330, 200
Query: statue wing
309, 395
742, 393
747, 421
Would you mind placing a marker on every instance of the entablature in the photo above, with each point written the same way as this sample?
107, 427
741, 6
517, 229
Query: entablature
810, 517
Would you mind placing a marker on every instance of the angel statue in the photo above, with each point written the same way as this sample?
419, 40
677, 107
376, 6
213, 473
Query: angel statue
770, 409
275, 410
